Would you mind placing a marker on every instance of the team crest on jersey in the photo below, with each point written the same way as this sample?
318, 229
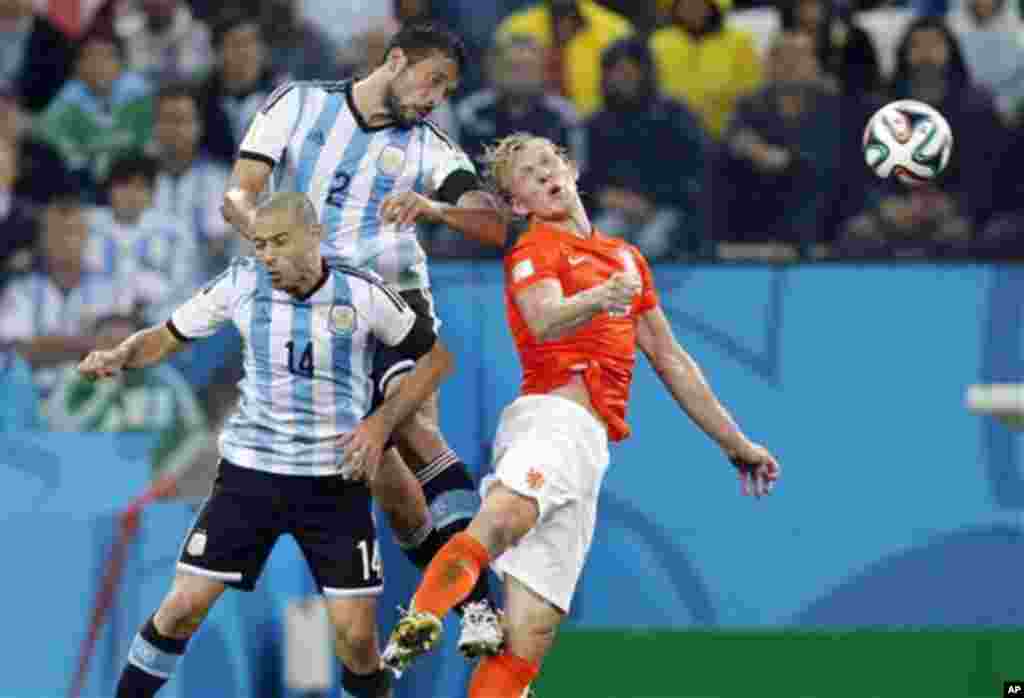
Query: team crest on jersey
391, 161
342, 319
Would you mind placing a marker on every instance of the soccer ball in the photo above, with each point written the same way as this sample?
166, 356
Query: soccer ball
907, 140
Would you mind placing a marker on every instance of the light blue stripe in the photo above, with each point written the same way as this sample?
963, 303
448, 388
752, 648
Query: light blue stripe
302, 386
382, 186
355, 151
315, 141
152, 660
344, 412
262, 363
111, 256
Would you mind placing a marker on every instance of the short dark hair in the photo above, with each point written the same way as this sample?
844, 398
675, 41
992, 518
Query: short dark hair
177, 89
420, 39
130, 165
231, 19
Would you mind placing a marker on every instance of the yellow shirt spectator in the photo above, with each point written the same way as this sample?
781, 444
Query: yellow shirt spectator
709, 68
581, 55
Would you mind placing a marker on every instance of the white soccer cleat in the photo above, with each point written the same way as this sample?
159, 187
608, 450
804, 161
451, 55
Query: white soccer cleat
481, 631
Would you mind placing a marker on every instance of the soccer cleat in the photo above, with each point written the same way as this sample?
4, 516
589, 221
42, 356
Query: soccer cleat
481, 631
415, 634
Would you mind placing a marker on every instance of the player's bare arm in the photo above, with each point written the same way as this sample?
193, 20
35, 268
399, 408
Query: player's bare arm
685, 381
476, 215
144, 348
551, 315
250, 177
362, 448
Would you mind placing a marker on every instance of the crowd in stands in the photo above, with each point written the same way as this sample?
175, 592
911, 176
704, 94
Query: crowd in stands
703, 130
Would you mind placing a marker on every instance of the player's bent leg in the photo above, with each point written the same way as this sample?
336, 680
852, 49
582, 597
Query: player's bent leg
452, 499
355, 632
400, 497
505, 517
162, 640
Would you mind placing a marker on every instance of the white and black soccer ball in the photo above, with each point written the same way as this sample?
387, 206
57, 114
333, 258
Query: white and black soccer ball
908, 140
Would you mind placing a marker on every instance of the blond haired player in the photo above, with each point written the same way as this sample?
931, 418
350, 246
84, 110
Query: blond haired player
579, 303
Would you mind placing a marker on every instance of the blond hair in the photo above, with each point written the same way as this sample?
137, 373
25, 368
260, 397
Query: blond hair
498, 159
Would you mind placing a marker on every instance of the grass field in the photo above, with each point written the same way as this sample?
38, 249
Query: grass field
855, 664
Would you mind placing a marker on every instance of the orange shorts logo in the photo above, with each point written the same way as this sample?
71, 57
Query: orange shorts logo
535, 479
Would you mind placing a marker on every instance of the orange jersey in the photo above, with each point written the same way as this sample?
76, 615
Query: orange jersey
603, 350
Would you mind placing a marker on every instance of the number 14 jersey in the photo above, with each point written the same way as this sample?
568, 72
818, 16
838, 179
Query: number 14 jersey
307, 360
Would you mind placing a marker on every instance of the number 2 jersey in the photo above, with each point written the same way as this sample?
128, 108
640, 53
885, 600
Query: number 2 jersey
317, 142
307, 360
602, 350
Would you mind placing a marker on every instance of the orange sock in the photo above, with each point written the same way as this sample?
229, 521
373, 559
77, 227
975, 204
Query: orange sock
504, 676
451, 575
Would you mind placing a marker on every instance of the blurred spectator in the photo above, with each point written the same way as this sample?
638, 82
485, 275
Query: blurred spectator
17, 224
155, 399
989, 32
39, 168
48, 314
131, 239
517, 102
845, 51
574, 33
19, 410
189, 185
646, 158
939, 219
241, 81
642, 14
704, 62
299, 48
344, 21
1003, 236
35, 56
103, 111
780, 165
162, 39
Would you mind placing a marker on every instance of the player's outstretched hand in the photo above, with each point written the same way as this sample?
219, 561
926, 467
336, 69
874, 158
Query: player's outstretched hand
361, 449
757, 468
407, 207
102, 364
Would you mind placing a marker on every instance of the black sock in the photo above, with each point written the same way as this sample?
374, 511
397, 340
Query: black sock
453, 501
152, 659
375, 685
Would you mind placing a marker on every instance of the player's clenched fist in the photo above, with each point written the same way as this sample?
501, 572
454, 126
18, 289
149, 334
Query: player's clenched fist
102, 364
617, 293
406, 208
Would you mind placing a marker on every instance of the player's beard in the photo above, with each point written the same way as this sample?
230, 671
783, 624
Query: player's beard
394, 107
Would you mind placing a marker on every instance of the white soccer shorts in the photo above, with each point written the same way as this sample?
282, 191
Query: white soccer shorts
554, 451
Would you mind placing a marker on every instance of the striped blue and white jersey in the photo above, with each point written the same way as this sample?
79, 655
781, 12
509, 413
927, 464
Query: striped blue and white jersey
307, 360
318, 143
160, 252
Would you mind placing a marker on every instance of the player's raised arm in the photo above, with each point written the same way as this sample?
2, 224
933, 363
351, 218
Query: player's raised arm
476, 214
261, 149
682, 376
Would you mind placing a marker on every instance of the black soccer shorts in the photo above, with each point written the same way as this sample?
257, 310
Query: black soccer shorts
388, 363
247, 510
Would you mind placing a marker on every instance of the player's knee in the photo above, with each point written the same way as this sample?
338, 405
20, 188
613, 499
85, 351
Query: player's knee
357, 645
183, 612
511, 517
